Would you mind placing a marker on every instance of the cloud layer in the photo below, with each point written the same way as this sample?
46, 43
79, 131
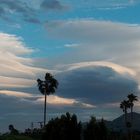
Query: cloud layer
101, 4
18, 7
27, 10
98, 41
98, 68
18, 84
30, 11
96, 84
16, 69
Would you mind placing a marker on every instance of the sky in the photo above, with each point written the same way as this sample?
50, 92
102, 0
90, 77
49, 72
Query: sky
90, 46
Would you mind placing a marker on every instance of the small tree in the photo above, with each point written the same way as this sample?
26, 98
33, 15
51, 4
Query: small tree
47, 87
132, 98
124, 105
13, 131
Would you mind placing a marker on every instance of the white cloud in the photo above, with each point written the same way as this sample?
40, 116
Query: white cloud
51, 100
15, 94
71, 45
99, 41
16, 70
60, 101
94, 31
11, 82
118, 68
13, 44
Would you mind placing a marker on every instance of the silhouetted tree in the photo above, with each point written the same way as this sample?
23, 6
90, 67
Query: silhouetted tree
95, 130
124, 105
13, 131
64, 128
90, 132
103, 131
47, 87
132, 98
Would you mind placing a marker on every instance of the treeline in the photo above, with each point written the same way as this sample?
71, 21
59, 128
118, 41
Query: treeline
67, 127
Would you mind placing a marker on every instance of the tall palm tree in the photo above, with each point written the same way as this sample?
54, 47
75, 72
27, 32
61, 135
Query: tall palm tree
132, 98
124, 105
47, 87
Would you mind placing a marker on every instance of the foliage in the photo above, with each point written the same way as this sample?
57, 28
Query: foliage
128, 104
48, 86
13, 131
95, 130
64, 128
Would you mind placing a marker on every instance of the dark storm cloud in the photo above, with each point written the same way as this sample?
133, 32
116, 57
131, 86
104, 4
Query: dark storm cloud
96, 85
52, 4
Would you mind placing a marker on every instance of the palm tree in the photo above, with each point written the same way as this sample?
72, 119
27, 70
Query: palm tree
47, 87
124, 105
132, 98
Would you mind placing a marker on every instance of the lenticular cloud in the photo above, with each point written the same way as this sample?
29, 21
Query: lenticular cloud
16, 69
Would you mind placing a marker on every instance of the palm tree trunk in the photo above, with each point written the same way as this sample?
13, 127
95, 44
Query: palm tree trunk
125, 117
126, 121
132, 116
131, 122
45, 103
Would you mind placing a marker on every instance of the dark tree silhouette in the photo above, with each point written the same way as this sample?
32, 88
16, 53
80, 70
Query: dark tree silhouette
95, 130
13, 131
124, 105
47, 87
103, 130
64, 128
132, 98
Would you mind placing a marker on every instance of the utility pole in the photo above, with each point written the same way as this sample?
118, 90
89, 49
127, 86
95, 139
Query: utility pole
32, 126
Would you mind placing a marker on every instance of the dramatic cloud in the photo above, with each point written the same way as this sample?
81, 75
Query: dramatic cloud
115, 67
96, 62
96, 84
16, 69
99, 40
39, 99
21, 105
